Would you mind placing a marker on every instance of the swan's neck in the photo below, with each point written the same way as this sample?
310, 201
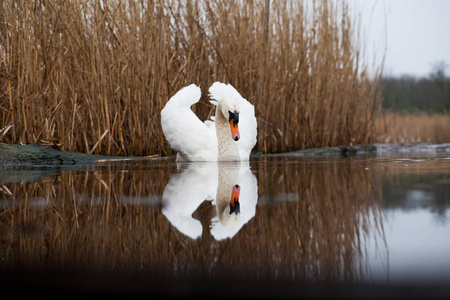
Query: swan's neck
228, 150
227, 179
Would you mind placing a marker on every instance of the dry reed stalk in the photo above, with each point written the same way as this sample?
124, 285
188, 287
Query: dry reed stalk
406, 128
111, 66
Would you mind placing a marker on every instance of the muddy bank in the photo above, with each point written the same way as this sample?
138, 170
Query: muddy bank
329, 151
38, 155
372, 149
35, 155
413, 148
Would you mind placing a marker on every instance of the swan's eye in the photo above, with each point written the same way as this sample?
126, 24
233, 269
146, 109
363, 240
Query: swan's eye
234, 116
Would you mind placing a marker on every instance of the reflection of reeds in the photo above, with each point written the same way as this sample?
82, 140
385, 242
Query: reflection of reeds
318, 235
85, 211
321, 233
94, 76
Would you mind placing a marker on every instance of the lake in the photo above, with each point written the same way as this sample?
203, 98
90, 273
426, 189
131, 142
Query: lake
324, 227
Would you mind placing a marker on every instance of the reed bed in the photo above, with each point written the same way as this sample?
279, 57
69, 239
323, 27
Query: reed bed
93, 76
394, 127
108, 221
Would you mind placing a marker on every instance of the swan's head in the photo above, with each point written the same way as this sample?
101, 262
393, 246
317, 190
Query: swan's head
230, 110
231, 213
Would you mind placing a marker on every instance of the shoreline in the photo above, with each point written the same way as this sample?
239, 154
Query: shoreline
36, 155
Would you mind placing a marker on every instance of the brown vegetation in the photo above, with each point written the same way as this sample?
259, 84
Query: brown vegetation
94, 76
404, 128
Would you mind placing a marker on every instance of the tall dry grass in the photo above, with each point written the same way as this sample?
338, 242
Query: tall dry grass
392, 127
94, 75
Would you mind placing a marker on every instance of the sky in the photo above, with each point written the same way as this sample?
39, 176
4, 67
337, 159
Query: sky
412, 35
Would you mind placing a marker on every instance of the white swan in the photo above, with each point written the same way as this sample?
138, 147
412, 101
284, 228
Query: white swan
231, 138
232, 188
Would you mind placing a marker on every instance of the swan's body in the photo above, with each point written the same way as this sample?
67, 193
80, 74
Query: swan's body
215, 182
217, 140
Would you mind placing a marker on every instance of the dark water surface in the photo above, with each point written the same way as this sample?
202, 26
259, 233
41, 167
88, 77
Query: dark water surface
302, 227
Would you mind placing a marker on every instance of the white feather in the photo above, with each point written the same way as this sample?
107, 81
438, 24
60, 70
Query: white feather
195, 140
184, 131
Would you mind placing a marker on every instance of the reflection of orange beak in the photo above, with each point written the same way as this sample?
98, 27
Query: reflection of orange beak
234, 203
235, 195
234, 130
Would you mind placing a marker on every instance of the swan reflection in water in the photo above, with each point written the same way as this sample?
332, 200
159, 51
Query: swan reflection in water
231, 188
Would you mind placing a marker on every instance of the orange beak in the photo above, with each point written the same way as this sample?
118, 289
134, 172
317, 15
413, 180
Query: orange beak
235, 195
234, 130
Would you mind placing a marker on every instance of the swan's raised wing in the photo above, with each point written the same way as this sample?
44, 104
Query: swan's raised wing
185, 192
184, 131
247, 120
